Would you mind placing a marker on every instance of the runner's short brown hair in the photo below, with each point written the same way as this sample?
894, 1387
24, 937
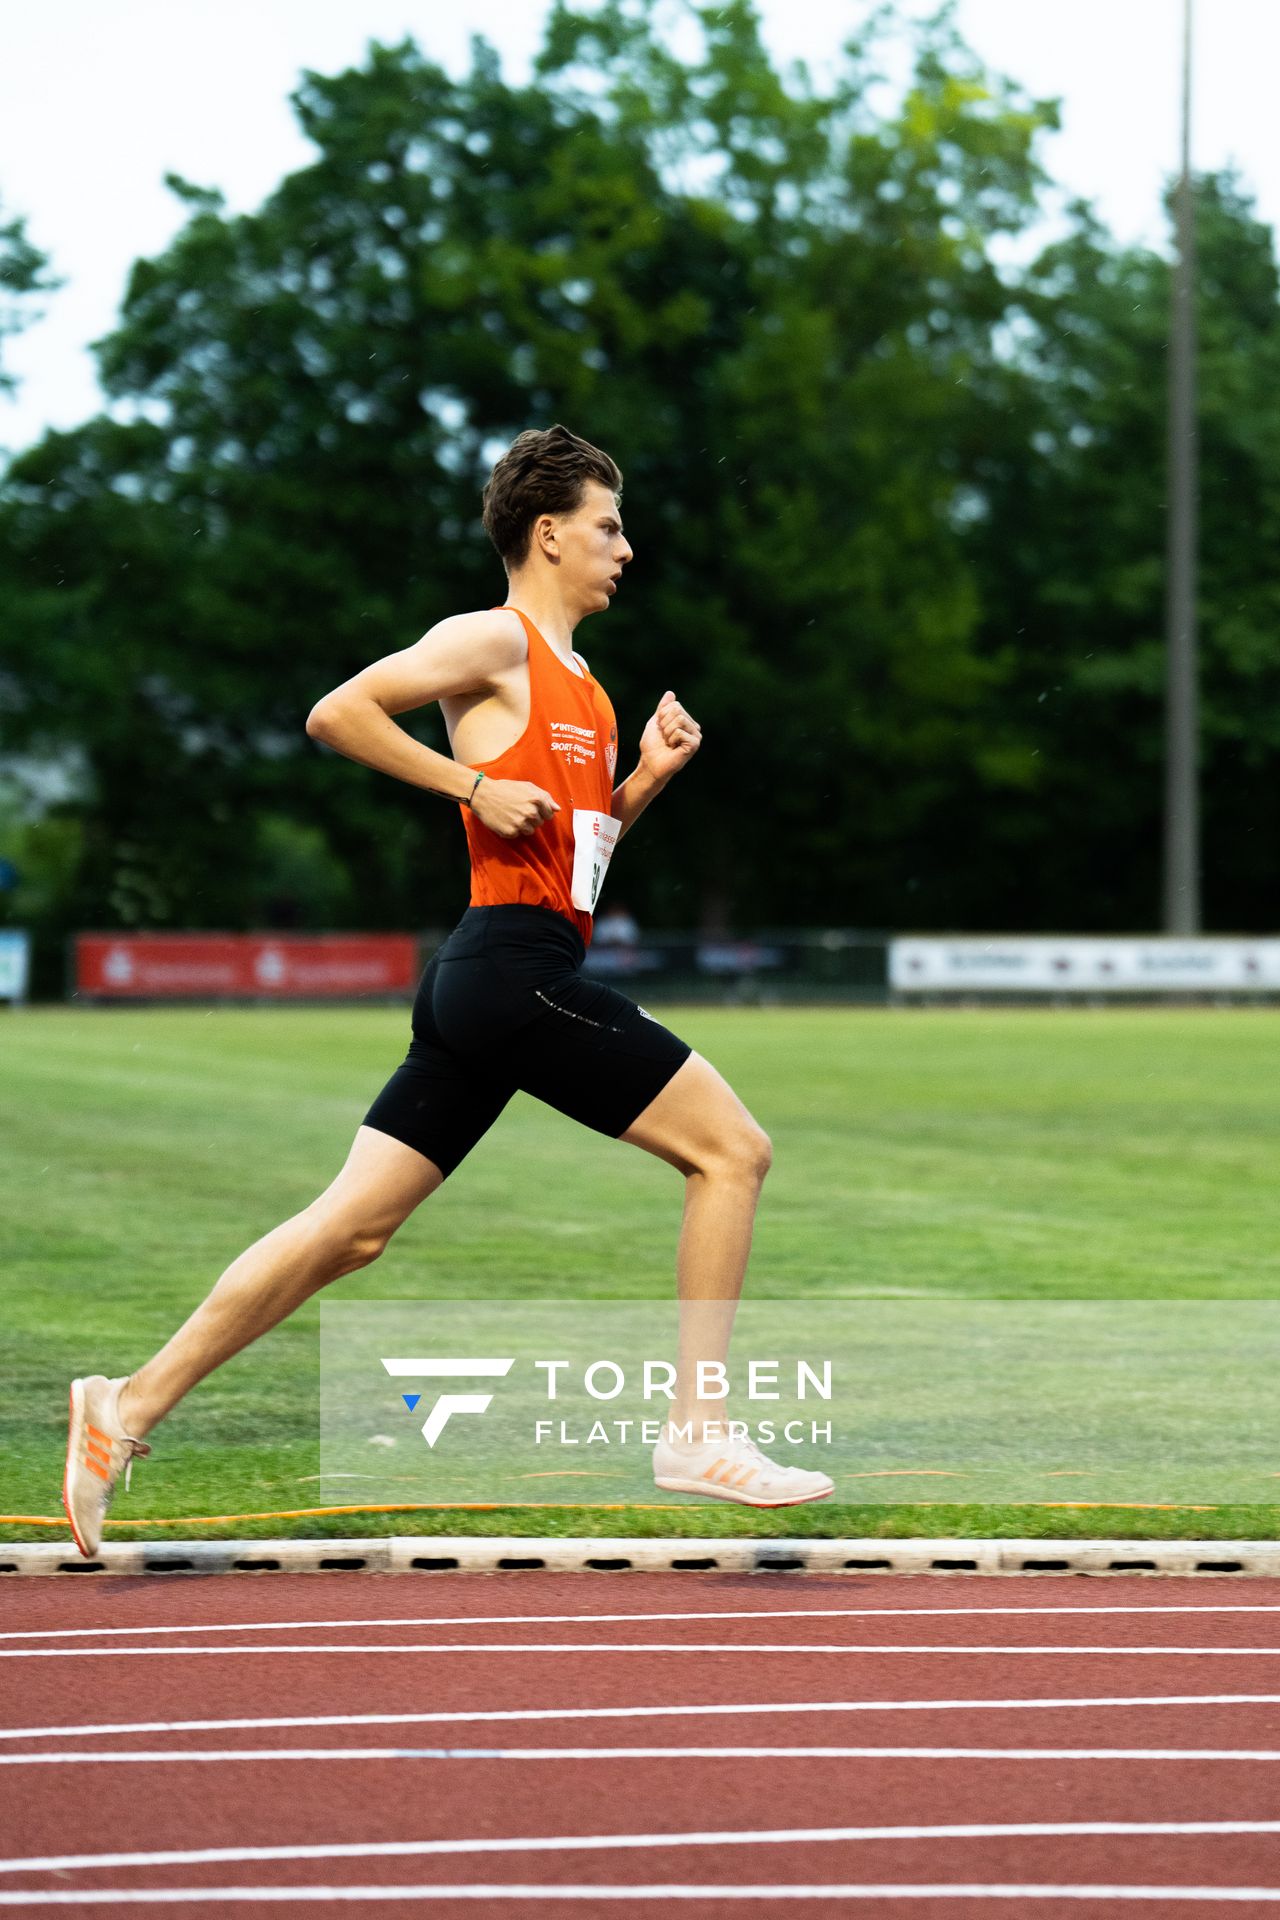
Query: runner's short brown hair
542, 471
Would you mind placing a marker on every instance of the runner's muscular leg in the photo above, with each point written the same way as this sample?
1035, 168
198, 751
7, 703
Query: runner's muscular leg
700, 1126
346, 1227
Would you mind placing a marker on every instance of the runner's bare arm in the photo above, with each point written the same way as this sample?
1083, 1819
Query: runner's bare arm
463, 654
668, 743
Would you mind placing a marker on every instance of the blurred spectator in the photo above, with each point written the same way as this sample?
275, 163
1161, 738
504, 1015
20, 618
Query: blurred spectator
616, 926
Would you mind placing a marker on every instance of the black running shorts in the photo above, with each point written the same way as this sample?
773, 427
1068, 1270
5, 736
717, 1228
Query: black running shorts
504, 1007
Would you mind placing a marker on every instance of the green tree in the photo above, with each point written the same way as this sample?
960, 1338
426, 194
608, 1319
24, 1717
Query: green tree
43, 856
774, 304
1071, 559
24, 273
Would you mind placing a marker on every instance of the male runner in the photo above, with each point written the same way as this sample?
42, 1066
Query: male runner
504, 1004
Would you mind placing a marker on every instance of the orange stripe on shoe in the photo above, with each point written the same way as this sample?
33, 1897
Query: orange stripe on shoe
94, 1452
95, 1466
95, 1433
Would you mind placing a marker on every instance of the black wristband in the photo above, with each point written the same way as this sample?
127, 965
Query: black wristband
471, 796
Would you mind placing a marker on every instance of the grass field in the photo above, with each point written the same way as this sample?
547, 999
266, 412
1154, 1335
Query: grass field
1031, 1156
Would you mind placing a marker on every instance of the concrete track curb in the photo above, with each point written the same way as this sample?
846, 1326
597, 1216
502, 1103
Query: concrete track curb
487, 1554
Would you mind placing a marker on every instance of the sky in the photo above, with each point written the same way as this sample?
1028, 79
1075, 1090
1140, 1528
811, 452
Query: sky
100, 98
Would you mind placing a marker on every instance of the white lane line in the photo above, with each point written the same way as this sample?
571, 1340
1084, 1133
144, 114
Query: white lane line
452, 1718
647, 1842
544, 1890
184, 1756
589, 1619
492, 1647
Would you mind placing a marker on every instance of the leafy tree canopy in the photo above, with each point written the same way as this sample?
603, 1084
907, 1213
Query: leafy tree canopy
23, 272
897, 510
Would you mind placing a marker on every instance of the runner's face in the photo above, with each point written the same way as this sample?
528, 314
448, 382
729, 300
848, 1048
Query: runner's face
593, 547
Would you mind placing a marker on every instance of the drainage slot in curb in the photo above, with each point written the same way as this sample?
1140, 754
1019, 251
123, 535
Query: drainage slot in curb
779, 1555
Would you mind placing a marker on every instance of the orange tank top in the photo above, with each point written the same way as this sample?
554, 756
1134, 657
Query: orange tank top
570, 750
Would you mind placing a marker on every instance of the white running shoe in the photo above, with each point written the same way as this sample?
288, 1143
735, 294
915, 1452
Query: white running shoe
98, 1448
734, 1469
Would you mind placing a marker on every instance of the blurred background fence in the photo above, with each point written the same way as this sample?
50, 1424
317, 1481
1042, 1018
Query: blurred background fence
809, 966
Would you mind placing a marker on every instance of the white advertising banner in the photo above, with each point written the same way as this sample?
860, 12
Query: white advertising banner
985, 963
15, 965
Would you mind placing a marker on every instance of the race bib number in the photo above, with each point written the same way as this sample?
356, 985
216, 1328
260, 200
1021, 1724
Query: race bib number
594, 837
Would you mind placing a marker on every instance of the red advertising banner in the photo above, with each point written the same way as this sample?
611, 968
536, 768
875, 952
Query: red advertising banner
244, 966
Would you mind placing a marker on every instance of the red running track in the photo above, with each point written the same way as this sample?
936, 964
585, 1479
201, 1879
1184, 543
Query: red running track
562, 1744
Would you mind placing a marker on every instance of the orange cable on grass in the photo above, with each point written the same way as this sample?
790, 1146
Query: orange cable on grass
909, 1473
1130, 1506
539, 1506
307, 1513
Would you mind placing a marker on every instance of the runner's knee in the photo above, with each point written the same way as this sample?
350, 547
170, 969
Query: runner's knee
759, 1152
363, 1245
745, 1154
343, 1243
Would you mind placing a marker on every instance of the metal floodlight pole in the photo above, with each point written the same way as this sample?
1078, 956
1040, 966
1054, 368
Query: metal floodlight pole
1182, 805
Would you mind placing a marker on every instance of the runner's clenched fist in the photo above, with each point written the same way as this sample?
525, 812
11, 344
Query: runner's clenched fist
670, 740
511, 808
